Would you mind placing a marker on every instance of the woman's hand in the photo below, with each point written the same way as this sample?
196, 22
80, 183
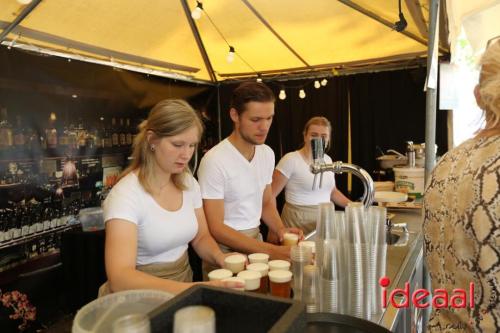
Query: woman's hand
297, 231
221, 256
225, 284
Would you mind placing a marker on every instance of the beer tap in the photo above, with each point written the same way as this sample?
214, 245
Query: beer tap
319, 166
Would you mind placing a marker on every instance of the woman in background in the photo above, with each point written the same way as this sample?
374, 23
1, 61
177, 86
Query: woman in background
462, 216
155, 209
293, 173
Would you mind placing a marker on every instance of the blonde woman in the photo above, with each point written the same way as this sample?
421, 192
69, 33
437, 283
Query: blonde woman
293, 174
155, 209
462, 217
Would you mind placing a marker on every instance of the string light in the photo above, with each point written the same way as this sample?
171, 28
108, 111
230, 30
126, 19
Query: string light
302, 94
230, 55
259, 79
282, 94
196, 13
24, 2
317, 85
324, 82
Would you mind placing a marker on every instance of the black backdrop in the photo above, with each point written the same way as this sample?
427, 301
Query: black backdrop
387, 109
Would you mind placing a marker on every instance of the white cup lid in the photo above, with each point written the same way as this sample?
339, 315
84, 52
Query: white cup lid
289, 235
309, 244
279, 264
259, 256
280, 276
220, 274
262, 268
235, 259
249, 275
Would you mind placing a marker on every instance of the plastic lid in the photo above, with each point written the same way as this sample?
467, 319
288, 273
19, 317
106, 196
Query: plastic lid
260, 257
249, 275
309, 244
279, 265
262, 268
219, 274
235, 259
280, 276
99, 315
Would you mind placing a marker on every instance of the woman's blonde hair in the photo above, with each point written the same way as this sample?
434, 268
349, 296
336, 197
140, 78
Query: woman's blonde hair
489, 85
320, 121
167, 118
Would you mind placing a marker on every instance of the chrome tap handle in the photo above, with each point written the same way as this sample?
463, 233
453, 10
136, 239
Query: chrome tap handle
317, 149
321, 180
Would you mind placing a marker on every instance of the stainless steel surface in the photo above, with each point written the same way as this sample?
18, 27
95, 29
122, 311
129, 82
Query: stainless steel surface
340, 167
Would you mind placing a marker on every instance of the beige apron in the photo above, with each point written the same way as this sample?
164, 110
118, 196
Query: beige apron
300, 216
178, 270
252, 233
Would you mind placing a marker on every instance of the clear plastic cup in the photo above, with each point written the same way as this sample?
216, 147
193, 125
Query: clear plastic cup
290, 239
280, 283
252, 279
235, 263
282, 265
263, 269
255, 258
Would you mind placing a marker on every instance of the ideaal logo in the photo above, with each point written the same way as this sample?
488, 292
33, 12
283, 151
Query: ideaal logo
459, 298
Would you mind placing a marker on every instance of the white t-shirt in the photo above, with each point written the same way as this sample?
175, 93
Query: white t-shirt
225, 173
298, 190
162, 235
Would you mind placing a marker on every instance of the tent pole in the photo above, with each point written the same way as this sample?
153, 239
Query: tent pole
431, 96
26, 11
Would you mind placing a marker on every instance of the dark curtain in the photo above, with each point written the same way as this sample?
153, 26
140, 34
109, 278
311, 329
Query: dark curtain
388, 109
292, 113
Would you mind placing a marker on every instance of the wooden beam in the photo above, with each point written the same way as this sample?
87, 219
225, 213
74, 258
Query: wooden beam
418, 17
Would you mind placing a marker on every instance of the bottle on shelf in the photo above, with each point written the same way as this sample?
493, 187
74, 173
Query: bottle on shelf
51, 132
122, 133
15, 224
128, 133
107, 139
115, 136
19, 134
6, 134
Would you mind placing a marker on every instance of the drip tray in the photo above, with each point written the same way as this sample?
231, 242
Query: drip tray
339, 323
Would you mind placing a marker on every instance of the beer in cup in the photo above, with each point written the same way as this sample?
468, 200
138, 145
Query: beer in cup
252, 279
280, 283
263, 269
290, 239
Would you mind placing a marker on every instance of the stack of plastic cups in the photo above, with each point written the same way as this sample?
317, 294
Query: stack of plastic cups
342, 250
310, 288
300, 256
329, 278
376, 218
325, 232
359, 264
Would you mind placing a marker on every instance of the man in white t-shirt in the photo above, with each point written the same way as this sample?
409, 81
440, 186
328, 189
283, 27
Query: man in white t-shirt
235, 177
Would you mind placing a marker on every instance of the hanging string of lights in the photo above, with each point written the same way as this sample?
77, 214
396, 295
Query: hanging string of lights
199, 11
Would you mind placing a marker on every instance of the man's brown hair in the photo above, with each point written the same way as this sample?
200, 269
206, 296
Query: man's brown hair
250, 91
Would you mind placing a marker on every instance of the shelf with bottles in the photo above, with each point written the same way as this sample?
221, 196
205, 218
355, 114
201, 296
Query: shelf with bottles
64, 138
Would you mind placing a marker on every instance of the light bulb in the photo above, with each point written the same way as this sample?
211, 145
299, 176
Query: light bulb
259, 80
302, 94
24, 2
196, 13
317, 85
282, 94
52, 116
324, 82
230, 55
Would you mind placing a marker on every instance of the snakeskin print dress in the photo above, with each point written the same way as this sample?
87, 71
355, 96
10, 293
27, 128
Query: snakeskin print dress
462, 234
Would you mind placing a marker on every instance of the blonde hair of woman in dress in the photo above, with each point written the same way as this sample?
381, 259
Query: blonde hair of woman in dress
292, 173
155, 209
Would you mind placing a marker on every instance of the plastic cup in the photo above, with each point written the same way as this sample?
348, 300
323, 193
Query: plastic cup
194, 319
280, 283
252, 279
290, 239
279, 265
236, 279
235, 263
133, 323
258, 258
219, 274
263, 269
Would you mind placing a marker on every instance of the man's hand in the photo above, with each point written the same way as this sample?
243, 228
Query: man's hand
297, 231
